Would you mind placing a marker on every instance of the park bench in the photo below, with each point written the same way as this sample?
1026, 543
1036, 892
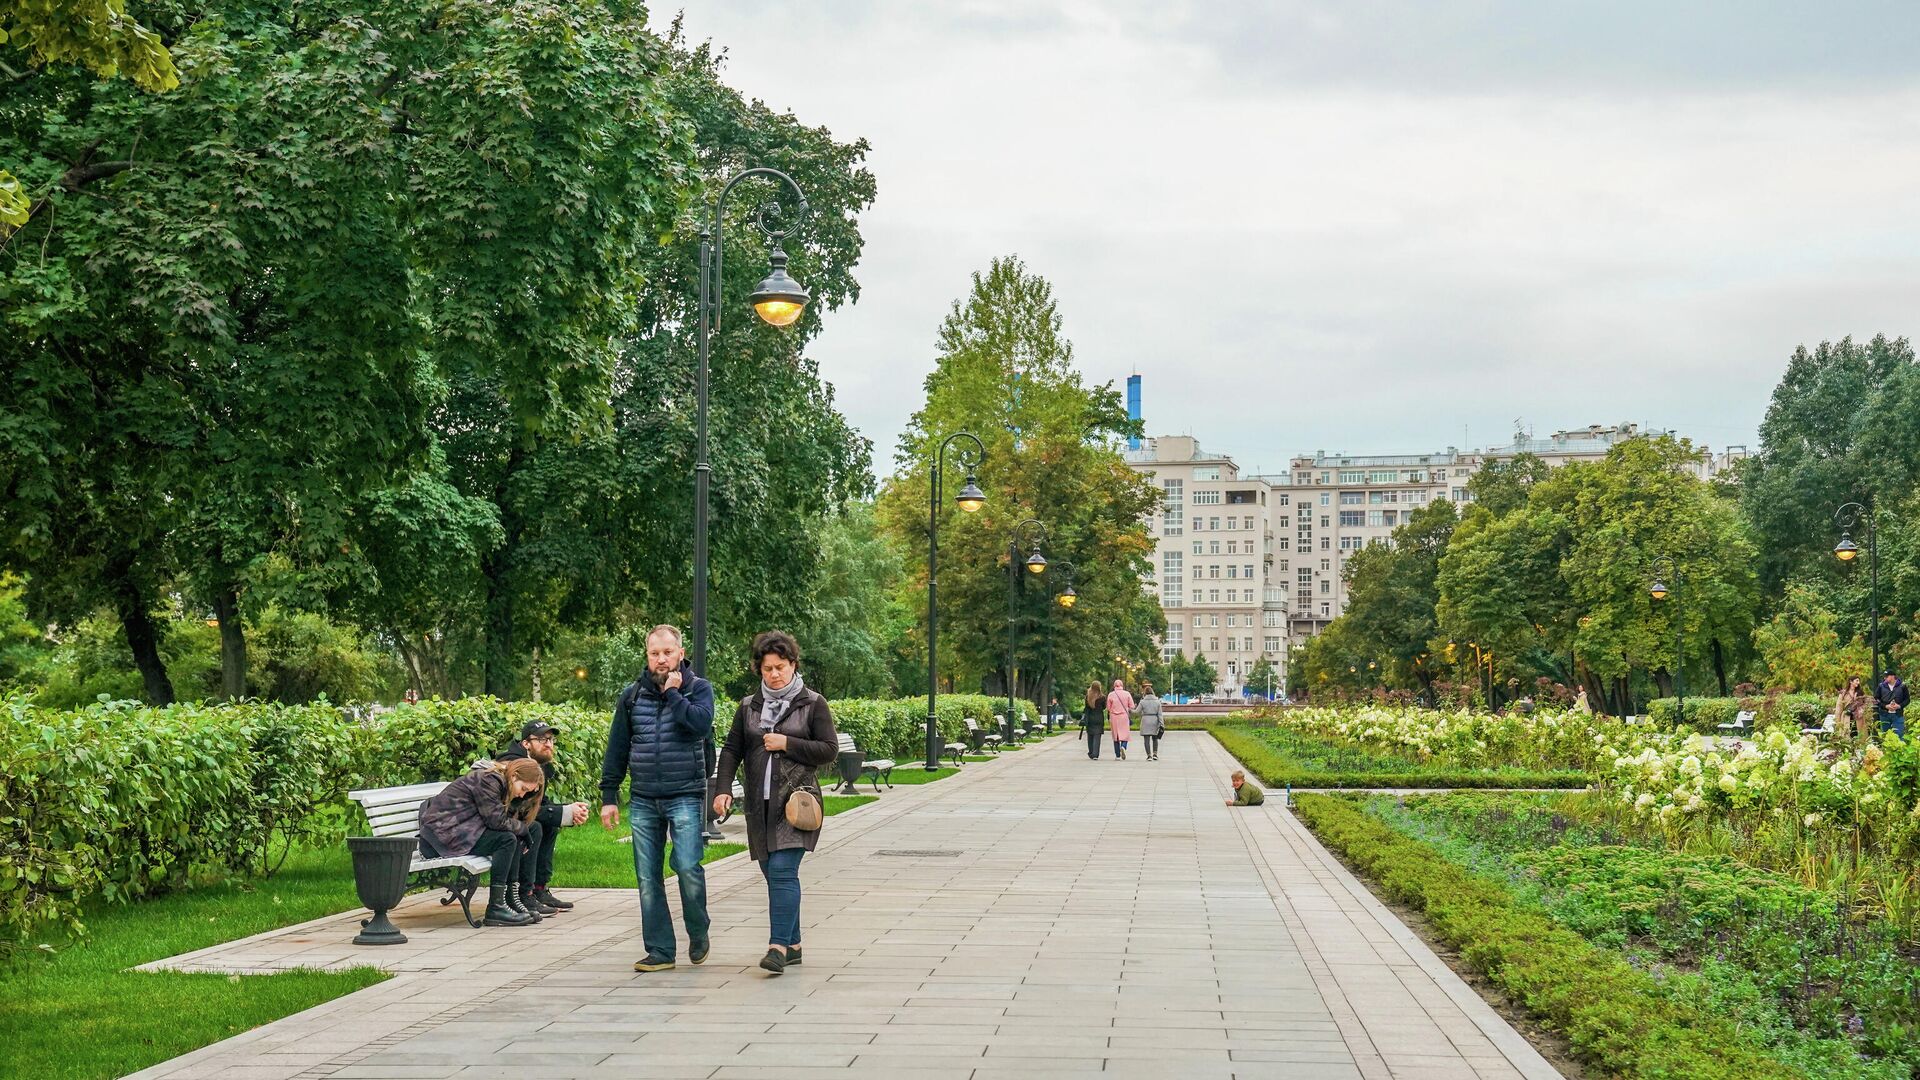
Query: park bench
854, 764
1741, 722
395, 811
979, 738
1018, 732
1825, 729
954, 750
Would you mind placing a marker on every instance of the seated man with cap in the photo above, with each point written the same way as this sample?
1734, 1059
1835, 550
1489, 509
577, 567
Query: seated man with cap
536, 863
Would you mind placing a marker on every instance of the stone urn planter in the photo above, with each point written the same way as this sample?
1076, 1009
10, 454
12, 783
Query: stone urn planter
380, 877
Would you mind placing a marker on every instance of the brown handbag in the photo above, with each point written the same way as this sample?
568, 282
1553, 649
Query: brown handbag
803, 810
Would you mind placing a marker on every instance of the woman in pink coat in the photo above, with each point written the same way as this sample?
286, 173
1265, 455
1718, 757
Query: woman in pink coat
1120, 705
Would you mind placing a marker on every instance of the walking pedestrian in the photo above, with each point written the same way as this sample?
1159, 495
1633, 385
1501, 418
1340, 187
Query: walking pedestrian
1891, 695
782, 734
470, 817
1119, 707
1093, 719
661, 727
1851, 720
1152, 722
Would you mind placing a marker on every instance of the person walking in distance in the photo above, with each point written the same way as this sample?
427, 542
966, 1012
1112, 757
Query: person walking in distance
1852, 720
782, 734
661, 726
1891, 695
1093, 719
1119, 708
1152, 722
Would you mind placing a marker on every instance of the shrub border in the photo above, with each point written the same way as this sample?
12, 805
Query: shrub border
1607, 1009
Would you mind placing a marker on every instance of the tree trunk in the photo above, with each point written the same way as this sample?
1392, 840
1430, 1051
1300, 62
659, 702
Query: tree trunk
233, 643
143, 638
1720, 668
498, 624
536, 673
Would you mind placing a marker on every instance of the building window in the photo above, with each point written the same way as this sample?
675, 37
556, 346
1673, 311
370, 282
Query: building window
1170, 646
1233, 547
1233, 643
1351, 518
1352, 543
1325, 565
1417, 498
1383, 476
1439, 475
1233, 571
1172, 578
1273, 643
1213, 620
1213, 524
1246, 644
1213, 547
1206, 472
1206, 498
1325, 497
1282, 543
1323, 478
1283, 569
1326, 609
1350, 477
1459, 495
1270, 618
1374, 517
1213, 597
1286, 500
1213, 644
1352, 498
1172, 507
1324, 543
1247, 522
1246, 571
1391, 516
1325, 586
1306, 577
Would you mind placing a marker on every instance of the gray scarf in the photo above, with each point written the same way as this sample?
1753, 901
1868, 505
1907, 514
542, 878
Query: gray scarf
775, 703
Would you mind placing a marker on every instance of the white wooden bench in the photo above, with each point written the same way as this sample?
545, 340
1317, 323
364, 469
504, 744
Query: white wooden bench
395, 811
1825, 729
955, 750
1741, 722
978, 739
876, 770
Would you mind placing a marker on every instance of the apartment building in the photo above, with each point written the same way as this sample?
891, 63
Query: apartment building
1248, 565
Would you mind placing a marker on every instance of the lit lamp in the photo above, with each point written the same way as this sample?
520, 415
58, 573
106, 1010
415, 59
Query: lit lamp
580, 673
970, 500
1846, 550
1036, 563
1069, 598
778, 299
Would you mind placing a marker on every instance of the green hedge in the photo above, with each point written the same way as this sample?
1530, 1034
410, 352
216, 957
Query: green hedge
119, 800
1607, 1008
1708, 713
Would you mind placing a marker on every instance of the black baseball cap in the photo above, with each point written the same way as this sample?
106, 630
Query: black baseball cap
536, 729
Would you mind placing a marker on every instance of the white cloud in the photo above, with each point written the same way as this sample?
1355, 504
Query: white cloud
1302, 244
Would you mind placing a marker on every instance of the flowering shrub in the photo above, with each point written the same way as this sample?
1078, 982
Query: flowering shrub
1543, 740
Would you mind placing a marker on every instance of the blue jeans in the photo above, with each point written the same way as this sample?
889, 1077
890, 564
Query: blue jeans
1895, 722
782, 871
652, 820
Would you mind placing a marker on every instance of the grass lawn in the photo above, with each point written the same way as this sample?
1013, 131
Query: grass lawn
590, 857
71, 1010
840, 804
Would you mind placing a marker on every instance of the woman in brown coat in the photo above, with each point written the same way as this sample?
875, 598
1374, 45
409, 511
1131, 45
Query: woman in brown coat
1853, 714
471, 817
781, 734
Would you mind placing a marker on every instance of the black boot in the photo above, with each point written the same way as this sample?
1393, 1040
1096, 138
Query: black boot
546, 897
498, 913
515, 902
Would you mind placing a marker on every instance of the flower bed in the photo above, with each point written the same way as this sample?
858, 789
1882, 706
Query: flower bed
1282, 756
1694, 944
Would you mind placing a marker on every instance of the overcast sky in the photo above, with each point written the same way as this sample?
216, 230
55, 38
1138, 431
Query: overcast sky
1370, 227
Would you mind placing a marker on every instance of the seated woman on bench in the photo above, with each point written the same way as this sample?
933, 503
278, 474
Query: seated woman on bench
469, 817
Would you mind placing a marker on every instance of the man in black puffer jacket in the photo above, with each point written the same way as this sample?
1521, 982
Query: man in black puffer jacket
661, 729
536, 857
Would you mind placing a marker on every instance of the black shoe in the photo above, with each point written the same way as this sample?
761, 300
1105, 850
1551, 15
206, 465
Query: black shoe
516, 903
793, 957
538, 906
775, 961
697, 951
498, 913
651, 962
545, 896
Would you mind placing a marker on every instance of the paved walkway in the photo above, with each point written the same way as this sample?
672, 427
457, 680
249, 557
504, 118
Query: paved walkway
1038, 915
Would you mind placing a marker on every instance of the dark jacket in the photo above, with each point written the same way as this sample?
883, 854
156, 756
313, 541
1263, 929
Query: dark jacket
453, 820
812, 742
548, 811
1094, 717
659, 738
1891, 695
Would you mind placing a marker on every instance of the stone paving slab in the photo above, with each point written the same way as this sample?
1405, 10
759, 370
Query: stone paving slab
1038, 915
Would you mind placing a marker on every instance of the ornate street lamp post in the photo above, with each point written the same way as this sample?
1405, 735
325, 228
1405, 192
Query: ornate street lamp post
969, 500
1659, 591
1066, 600
1847, 551
1035, 563
779, 301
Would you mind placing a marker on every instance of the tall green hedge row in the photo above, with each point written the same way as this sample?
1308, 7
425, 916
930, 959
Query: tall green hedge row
1707, 713
118, 800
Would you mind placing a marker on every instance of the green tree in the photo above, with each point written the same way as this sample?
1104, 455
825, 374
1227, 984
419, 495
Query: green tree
1197, 676
1844, 424
1393, 592
854, 611
1263, 678
1800, 649
1501, 486
1006, 374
